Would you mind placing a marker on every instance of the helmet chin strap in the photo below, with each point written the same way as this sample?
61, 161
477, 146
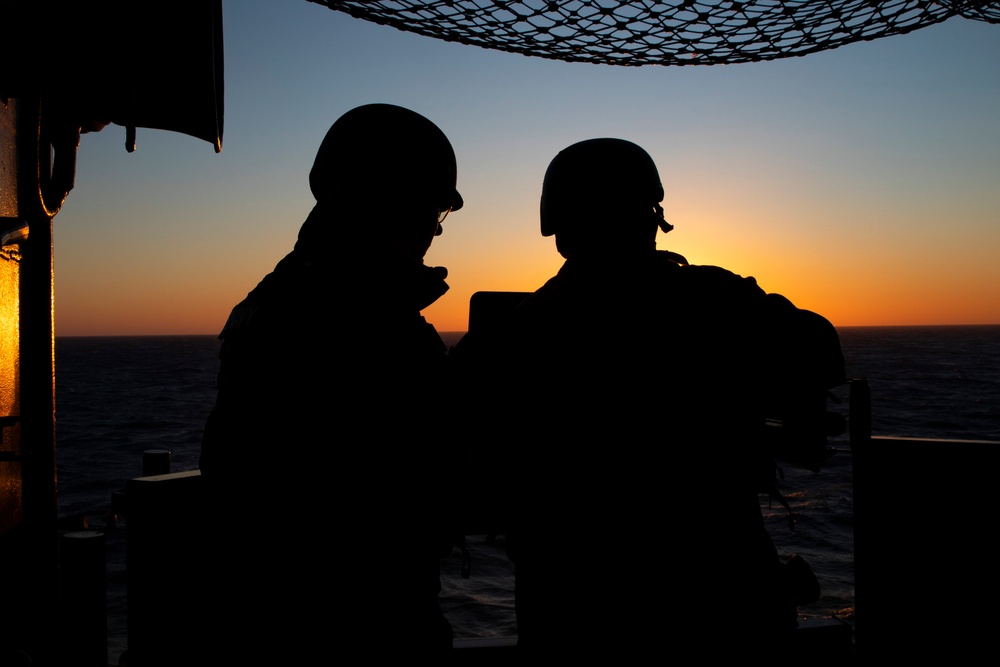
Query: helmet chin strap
664, 225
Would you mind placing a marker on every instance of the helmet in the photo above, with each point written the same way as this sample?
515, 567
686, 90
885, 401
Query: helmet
593, 179
377, 150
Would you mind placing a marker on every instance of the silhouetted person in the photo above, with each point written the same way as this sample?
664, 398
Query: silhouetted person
622, 406
326, 491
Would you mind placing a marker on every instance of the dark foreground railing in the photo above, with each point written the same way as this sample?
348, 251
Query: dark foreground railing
925, 525
163, 570
925, 521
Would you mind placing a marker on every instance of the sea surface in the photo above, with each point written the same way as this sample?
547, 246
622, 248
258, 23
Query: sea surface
118, 397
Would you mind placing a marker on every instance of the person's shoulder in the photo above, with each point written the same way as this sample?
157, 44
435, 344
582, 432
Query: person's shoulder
717, 277
282, 297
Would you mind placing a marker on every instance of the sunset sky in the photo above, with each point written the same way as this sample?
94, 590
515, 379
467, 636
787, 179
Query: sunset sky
862, 183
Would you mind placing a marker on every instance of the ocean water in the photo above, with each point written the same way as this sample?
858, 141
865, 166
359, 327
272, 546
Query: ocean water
118, 397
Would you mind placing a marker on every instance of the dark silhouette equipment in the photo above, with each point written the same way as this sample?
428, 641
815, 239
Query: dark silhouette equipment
68, 69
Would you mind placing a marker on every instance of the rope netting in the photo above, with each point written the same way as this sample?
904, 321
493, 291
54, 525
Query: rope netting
684, 32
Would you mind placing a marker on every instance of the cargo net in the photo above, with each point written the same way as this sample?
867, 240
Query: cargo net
687, 32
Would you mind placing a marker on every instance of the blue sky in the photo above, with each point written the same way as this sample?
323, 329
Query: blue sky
861, 182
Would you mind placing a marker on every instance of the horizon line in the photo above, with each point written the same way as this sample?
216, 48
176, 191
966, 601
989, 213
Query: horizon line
464, 331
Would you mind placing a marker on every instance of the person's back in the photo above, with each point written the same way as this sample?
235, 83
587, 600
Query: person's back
634, 385
329, 504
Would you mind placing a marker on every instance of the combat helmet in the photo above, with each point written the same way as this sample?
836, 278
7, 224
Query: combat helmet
377, 151
592, 180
